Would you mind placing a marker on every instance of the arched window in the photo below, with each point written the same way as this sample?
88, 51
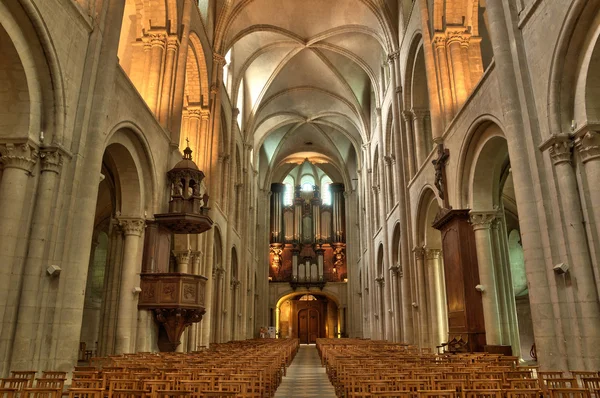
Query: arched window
227, 73
307, 183
326, 190
288, 196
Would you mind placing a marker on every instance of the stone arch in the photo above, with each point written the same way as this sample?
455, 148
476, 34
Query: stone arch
430, 277
578, 32
32, 74
486, 187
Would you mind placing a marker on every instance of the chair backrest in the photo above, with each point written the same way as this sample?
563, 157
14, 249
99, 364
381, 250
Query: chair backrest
41, 393
437, 394
51, 374
524, 383
483, 393
523, 393
563, 382
569, 393
86, 392
87, 383
487, 384
50, 383
15, 382
127, 393
8, 392
591, 383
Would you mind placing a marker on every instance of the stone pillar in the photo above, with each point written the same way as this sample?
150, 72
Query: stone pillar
456, 36
420, 136
481, 222
439, 44
580, 272
409, 151
218, 307
396, 300
210, 285
437, 297
421, 297
34, 275
18, 161
157, 42
127, 311
168, 80
588, 147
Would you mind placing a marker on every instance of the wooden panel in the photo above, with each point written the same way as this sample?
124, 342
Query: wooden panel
465, 308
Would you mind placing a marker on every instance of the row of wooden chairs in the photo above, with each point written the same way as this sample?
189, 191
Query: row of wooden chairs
365, 368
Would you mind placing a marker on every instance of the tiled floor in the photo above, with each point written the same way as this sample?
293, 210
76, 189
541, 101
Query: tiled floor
306, 377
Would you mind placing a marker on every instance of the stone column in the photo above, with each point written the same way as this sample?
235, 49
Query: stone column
587, 144
18, 161
481, 222
210, 285
420, 135
34, 273
127, 311
158, 42
437, 297
578, 257
168, 79
439, 44
421, 297
409, 151
456, 36
396, 300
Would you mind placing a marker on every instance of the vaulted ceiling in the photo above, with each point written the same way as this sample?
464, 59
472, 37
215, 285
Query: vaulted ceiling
311, 73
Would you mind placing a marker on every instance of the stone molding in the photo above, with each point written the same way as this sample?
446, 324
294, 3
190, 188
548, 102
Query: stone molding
420, 114
18, 156
482, 219
172, 43
419, 252
157, 39
219, 59
132, 226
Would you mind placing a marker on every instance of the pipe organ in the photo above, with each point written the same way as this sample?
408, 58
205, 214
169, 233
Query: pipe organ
308, 240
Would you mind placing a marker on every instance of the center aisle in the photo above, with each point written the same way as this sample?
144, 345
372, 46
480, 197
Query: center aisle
306, 377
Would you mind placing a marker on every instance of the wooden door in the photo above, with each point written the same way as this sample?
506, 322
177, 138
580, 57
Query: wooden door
308, 325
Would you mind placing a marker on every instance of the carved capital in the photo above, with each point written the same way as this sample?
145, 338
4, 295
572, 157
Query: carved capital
588, 145
433, 254
172, 43
132, 226
420, 114
214, 89
18, 156
51, 160
380, 281
439, 40
182, 256
407, 116
482, 219
419, 252
219, 59
559, 146
459, 35
157, 39
392, 56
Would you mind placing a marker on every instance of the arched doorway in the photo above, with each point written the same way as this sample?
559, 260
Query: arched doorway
433, 281
111, 322
494, 216
308, 316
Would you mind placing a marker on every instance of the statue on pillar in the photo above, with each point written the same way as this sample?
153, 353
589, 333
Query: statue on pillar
440, 173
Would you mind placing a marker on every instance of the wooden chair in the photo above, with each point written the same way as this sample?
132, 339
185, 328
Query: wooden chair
550, 374
127, 393
15, 382
41, 393
569, 393
86, 392
491, 393
24, 374
87, 383
582, 374
50, 383
591, 383
173, 394
436, 394
523, 393
486, 384
8, 392
521, 384
563, 382
50, 374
